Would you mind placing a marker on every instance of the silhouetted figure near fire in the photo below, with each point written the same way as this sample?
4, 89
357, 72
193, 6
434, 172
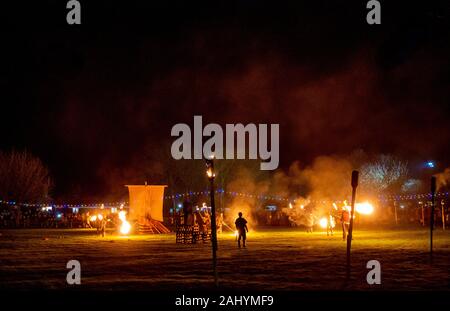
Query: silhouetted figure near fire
187, 211
345, 221
103, 226
330, 225
241, 226
309, 222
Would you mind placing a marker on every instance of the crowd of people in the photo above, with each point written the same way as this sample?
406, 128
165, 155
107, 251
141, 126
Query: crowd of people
16, 217
191, 215
201, 216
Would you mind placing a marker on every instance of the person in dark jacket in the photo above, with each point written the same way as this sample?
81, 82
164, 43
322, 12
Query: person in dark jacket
242, 229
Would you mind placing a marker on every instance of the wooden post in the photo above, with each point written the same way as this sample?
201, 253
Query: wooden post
214, 233
433, 199
211, 176
423, 215
350, 228
395, 212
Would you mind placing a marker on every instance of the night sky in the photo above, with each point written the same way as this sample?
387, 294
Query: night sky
90, 99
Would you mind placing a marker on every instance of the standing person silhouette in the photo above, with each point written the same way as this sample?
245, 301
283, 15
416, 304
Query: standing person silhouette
345, 221
241, 226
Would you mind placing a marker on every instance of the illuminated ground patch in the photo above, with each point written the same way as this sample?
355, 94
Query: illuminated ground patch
285, 259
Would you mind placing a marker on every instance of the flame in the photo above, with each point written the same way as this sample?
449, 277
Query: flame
125, 227
96, 217
210, 173
323, 222
364, 208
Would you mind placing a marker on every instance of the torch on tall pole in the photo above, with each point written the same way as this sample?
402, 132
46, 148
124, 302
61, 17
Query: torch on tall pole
433, 202
211, 175
350, 228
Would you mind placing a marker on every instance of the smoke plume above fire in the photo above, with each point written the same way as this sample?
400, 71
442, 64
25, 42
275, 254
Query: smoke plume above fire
324, 104
443, 179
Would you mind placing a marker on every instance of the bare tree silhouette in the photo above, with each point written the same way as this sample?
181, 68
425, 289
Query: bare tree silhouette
385, 173
24, 178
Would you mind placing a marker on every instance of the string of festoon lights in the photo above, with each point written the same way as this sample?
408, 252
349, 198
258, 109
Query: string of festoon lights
406, 197
178, 196
86, 205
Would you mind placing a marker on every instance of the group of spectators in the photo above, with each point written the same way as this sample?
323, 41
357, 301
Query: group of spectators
16, 217
200, 216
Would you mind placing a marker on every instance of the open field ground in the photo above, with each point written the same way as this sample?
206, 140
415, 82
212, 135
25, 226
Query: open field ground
283, 259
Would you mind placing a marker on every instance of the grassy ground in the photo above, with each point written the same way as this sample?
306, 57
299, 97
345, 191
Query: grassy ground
285, 259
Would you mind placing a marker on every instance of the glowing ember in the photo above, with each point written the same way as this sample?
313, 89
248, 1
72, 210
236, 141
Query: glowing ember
93, 218
125, 227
